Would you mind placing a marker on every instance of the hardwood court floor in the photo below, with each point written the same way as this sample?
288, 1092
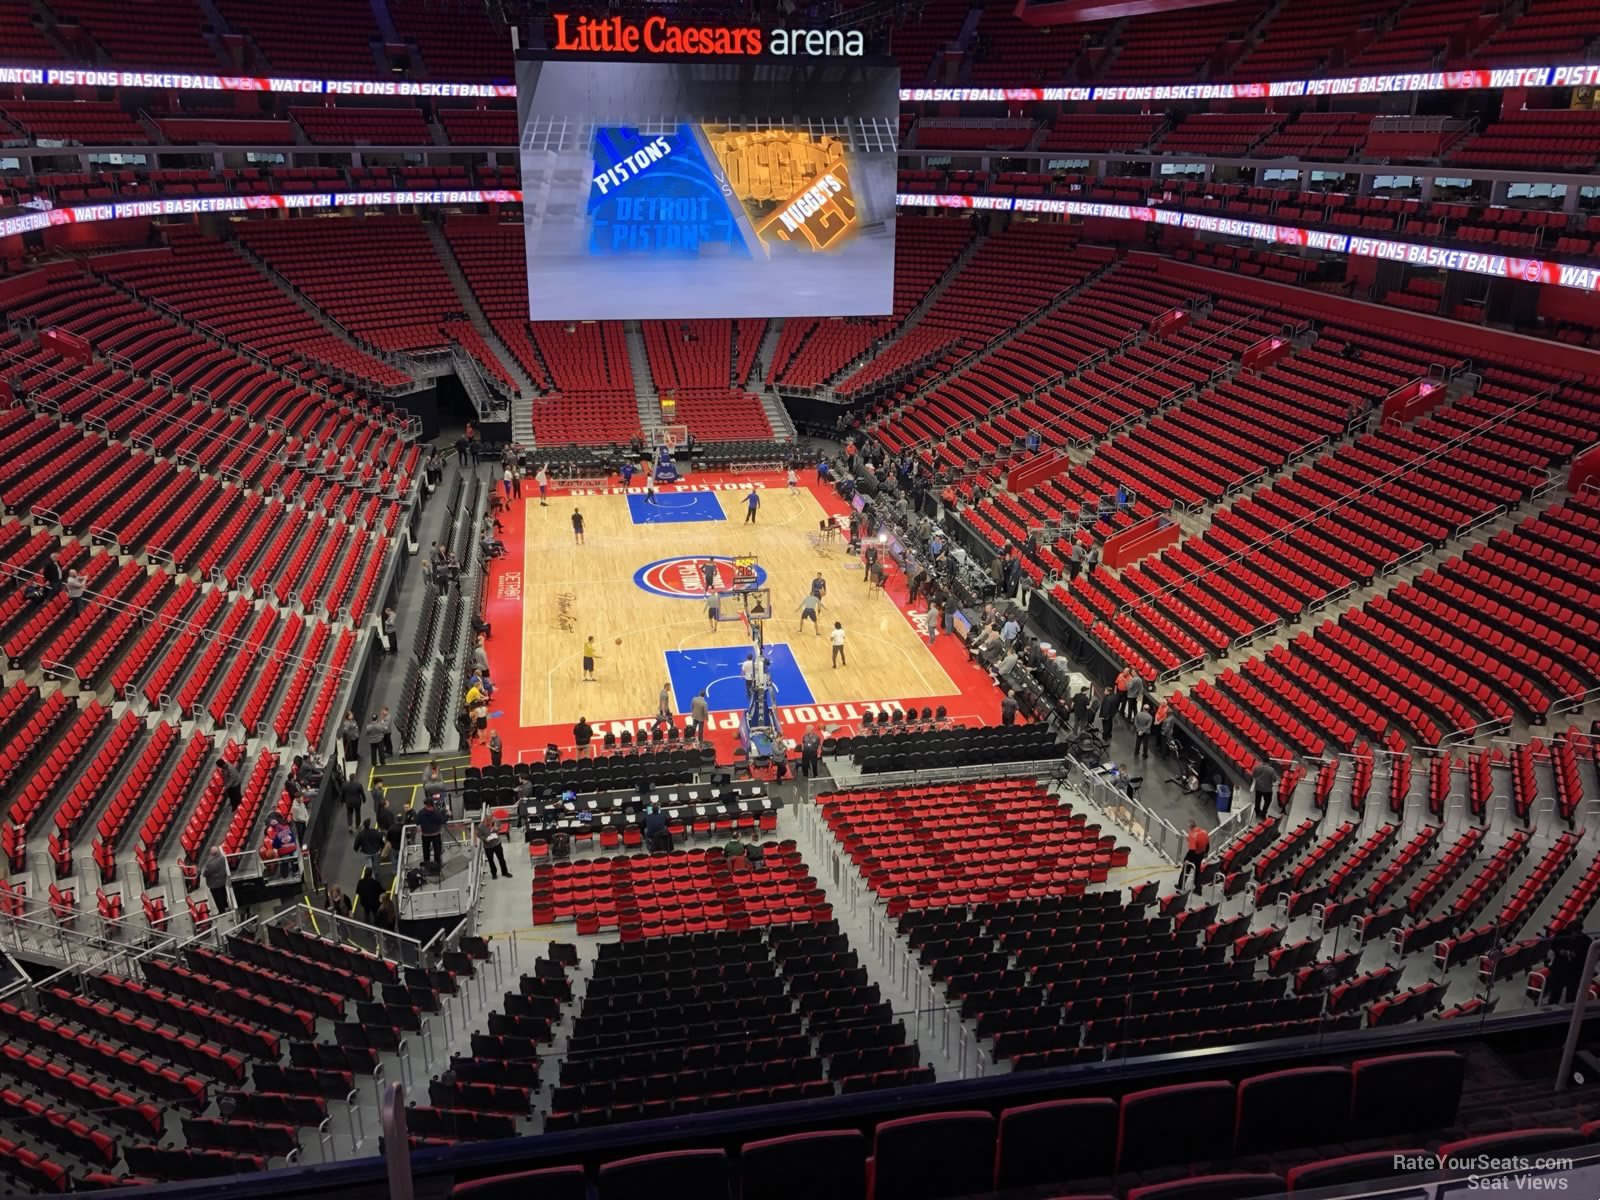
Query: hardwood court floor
569, 591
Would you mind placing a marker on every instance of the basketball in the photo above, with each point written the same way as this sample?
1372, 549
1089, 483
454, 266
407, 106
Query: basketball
618, 642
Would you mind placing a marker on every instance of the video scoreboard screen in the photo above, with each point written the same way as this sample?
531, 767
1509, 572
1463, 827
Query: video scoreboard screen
700, 172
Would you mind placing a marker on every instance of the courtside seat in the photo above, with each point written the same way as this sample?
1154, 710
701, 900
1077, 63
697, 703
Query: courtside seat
1168, 1125
1401, 1093
698, 1173
805, 1166
553, 1183
1305, 1106
1211, 1187
943, 1154
1028, 1152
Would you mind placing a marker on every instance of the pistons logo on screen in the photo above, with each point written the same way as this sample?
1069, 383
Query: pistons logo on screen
685, 578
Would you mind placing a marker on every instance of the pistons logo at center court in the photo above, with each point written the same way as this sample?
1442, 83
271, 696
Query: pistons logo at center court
684, 579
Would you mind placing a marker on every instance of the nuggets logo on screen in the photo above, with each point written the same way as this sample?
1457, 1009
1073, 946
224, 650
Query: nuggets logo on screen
682, 579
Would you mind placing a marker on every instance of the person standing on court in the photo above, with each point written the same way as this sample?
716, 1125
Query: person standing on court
837, 639
708, 574
542, 478
713, 608
819, 588
808, 612
589, 655
582, 736
751, 503
664, 703
699, 714
810, 752
577, 527
1199, 842
496, 749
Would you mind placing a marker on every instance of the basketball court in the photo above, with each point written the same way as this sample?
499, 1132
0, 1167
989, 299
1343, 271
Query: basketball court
637, 586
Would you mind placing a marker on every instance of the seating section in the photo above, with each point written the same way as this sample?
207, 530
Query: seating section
1556, 138
377, 277
812, 351
458, 41
916, 847
1499, 634
1181, 45
1544, 31
84, 122
973, 134
1009, 276
480, 126
209, 282
734, 1018
346, 125
1419, 35
1222, 134
144, 33
1100, 132
682, 891
1299, 38
699, 362
342, 47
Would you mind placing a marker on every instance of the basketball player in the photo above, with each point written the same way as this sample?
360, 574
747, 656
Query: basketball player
713, 608
577, 527
708, 572
543, 480
589, 655
819, 588
752, 502
837, 638
808, 612
664, 703
650, 490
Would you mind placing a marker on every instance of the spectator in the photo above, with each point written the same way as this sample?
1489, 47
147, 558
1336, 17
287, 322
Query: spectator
350, 736
386, 722
76, 585
1008, 709
433, 785
386, 913
1010, 630
354, 797
382, 814
810, 752
215, 873
232, 783
480, 654
494, 850
582, 736
430, 823
299, 817
1081, 707
496, 749
656, 834
391, 631
368, 892
1199, 842
1109, 703
1132, 693
52, 574
837, 640
1566, 955
1143, 722
1263, 778
369, 841
374, 735
335, 901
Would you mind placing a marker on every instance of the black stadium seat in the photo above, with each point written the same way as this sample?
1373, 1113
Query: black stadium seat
803, 1166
